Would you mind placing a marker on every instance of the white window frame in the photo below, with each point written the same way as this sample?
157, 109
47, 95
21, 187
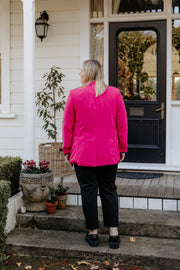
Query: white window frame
5, 59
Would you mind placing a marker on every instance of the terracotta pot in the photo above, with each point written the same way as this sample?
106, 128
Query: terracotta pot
35, 188
51, 207
62, 200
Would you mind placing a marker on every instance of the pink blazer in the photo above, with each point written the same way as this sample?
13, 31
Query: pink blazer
94, 128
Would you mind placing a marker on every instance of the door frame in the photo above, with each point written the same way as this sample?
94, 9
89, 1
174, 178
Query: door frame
159, 27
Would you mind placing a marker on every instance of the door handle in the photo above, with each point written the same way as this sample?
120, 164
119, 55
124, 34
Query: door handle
161, 109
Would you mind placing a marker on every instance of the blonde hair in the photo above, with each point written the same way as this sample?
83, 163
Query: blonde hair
93, 72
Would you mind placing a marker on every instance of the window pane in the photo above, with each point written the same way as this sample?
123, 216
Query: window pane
175, 6
97, 8
97, 42
136, 6
176, 60
137, 65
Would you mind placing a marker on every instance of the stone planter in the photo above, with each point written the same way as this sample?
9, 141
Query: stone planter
35, 188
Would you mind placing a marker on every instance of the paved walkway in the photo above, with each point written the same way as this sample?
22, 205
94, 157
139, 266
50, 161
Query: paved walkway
166, 186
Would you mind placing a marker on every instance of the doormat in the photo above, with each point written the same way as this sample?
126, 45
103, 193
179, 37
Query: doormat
138, 175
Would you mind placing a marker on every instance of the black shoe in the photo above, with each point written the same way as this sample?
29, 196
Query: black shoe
92, 239
114, 241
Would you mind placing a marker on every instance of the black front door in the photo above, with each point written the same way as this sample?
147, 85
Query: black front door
137, 66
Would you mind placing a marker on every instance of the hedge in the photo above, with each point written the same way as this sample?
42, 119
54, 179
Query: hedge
4, 196
10, 168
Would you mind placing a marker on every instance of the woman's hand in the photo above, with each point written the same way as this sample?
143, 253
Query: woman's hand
67, 157
122, 156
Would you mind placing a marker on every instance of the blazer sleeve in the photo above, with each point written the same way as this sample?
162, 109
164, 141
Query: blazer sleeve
68, 125
121, 123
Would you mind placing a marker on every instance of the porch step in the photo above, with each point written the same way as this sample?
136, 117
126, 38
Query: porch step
148, 223
161, 253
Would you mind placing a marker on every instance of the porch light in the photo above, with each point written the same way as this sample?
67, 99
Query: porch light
41, 25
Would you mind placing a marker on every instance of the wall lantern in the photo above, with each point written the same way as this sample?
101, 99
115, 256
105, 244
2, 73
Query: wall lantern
41, 25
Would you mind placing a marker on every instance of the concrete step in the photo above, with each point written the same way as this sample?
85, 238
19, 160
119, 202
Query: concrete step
161, 253
149, 223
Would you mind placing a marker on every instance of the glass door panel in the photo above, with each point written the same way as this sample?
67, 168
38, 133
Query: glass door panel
97, 42
137, 65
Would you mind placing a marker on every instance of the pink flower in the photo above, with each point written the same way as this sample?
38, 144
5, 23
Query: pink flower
31, 167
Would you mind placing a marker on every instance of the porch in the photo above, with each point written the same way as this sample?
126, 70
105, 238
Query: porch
159, 193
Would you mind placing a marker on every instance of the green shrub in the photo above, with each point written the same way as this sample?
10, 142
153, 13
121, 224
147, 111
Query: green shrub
4, 196
10, 168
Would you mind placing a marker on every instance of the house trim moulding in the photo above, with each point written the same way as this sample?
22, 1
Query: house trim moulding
7, 115
84, 31
29, 78
5, 58
175, 103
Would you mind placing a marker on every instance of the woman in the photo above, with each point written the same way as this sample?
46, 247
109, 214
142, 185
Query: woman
95, 140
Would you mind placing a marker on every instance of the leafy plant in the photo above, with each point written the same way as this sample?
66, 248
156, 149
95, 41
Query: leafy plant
4, 196
53, 197
10, 169
50, 100
31, 168
61, 190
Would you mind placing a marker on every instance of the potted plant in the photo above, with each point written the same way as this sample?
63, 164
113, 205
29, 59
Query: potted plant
50, 101
52, 202
61, 193
35, 182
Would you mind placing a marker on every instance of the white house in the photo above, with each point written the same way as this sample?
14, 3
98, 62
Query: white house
83, 29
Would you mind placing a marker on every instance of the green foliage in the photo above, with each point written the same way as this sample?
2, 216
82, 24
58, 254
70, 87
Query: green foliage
10, 169
176, 39
50, 100
4, 196
53, 197
61, 190
132, 46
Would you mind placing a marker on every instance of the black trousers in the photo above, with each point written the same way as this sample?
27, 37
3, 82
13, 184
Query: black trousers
90, 179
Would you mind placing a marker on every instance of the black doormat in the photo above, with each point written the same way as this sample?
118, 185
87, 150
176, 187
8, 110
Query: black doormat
138, 175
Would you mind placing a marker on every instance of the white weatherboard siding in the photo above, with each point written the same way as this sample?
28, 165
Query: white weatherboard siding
60, 48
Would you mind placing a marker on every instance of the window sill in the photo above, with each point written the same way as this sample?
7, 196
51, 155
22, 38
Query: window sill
7, 115
175, 103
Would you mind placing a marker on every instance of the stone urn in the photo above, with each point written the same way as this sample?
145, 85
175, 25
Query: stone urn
36, 189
